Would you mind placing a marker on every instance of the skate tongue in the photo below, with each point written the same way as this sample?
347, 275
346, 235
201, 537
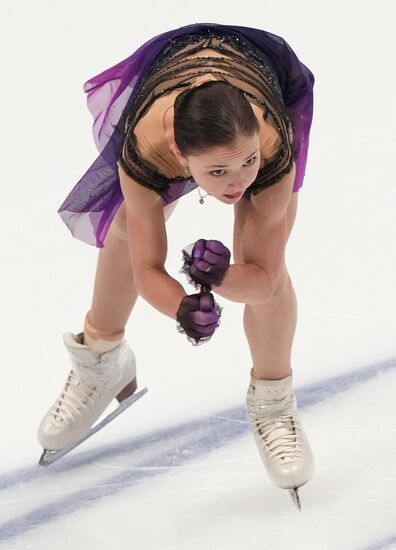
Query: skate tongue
80, 353
273, 390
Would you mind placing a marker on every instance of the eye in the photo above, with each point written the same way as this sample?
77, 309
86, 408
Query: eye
216, 174
251, 161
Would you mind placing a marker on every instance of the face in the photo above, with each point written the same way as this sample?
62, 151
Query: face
226, 172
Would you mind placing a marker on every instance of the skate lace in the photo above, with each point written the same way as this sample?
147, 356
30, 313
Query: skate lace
280, 435
277, 426
82, 388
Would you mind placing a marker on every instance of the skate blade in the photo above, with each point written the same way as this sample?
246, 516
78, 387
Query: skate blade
49, 457
295, 497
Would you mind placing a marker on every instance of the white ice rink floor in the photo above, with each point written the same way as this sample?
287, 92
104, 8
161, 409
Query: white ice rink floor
200, 485
179, 470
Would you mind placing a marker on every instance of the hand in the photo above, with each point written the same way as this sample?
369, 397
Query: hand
209, 262
198, 317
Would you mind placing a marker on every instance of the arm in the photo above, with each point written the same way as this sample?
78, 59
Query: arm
260, 237
148, 247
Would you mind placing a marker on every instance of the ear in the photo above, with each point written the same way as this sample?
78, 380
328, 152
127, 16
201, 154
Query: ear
180, 158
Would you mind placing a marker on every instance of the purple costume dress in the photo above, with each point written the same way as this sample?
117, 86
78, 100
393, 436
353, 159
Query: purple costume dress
90, 207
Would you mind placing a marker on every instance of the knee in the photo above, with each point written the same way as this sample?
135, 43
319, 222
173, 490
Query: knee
281, 285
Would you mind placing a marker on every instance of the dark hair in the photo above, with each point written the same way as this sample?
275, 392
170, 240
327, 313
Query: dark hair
212, 114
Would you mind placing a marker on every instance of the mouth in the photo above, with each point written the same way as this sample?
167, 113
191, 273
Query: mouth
234, 195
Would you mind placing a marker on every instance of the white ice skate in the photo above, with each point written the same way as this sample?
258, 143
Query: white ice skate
280, 438
93, 382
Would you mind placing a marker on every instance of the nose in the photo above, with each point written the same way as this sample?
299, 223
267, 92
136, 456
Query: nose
237, 185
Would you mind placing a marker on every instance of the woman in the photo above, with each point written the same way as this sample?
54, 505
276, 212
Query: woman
229, 109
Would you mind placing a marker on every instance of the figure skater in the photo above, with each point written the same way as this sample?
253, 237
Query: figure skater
228, 110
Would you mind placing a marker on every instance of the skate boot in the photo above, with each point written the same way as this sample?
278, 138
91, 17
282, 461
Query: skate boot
100, 373
279, 436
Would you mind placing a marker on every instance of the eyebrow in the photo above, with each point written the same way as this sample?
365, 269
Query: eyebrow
226, 165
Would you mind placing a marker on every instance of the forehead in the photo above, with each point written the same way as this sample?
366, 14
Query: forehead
240, 149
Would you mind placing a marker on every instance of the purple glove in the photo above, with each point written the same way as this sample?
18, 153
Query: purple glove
207, 263
198, 317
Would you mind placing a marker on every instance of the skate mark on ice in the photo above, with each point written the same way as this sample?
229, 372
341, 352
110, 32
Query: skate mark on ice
183, 443
385, 544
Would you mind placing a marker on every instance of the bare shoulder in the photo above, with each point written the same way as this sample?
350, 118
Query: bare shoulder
271, 204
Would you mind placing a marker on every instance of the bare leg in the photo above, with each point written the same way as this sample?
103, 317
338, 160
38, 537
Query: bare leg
114, 294
270, 400
270, 327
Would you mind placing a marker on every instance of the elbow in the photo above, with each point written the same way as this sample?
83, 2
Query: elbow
146, 281
141, 280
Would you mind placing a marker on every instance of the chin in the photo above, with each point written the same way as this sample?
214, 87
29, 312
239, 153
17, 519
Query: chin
224, 200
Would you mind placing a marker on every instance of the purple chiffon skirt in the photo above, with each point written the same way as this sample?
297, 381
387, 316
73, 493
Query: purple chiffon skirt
90, 207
